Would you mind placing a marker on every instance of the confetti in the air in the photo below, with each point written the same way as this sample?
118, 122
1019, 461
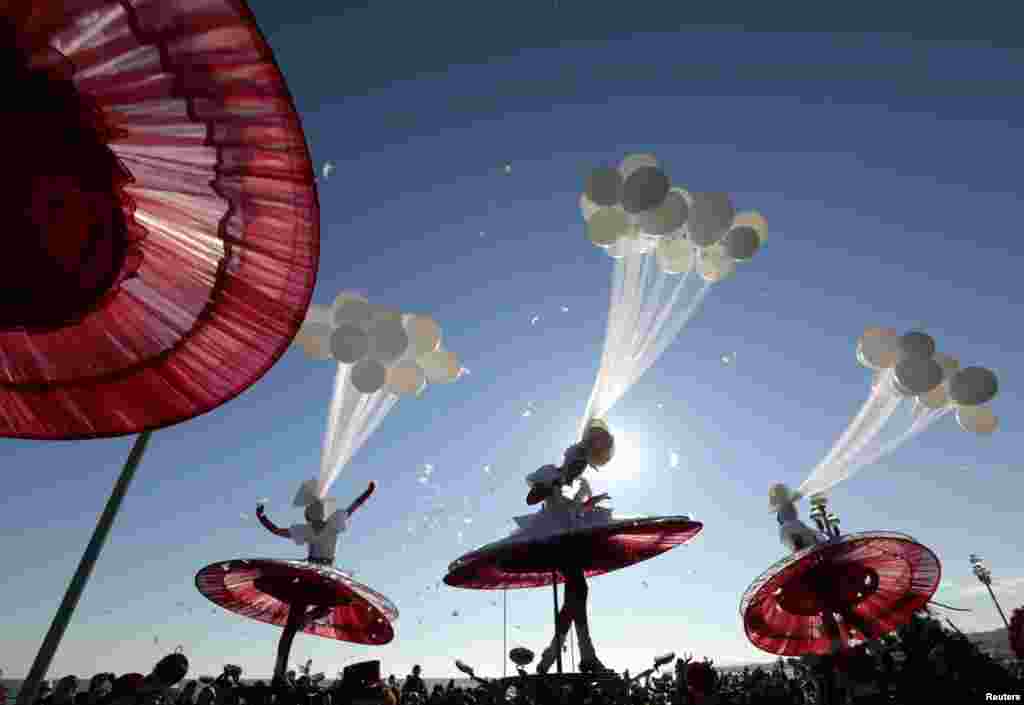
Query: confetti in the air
243, 516
661, 405
728, 358
673, 459
328, 168
527, 412
487, 469
533, 321
508, 168
565, 309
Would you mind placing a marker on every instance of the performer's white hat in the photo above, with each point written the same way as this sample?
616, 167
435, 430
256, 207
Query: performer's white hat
307, 496
779, 494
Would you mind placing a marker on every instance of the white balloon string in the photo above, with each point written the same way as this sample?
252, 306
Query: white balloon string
665, 312
383, 405
340, 411
919, 425
651, 308
641, 325
820, 478
614, 306
343, 440
645, 300
863, 442
843, 467
663, 337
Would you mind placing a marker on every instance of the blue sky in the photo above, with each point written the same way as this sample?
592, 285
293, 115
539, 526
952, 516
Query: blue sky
889, 170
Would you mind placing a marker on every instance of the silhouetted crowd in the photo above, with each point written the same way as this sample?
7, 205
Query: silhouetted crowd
922, 662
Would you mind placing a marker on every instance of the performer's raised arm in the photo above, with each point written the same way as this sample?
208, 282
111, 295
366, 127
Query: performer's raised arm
361, 499
269, 525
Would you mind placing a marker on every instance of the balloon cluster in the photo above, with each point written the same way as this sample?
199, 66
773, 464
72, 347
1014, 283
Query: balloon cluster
935, 380
634, 209
386, 348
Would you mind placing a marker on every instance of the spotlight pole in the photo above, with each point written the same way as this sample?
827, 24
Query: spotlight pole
984, 576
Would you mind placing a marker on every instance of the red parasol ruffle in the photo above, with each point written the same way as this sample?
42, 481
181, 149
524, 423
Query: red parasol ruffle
871, 582
530, 563
263, 588
170, 237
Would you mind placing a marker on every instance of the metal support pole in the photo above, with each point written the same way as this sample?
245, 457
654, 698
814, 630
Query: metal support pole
504, 635
27, 693
554, 595
998, 607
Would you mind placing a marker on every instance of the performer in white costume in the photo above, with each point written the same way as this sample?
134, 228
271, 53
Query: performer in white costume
794, 534
324, 523
560, 513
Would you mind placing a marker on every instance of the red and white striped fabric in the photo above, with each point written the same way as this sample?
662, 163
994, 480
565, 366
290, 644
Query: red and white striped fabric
871, 583
533, 562
263, 588
169, 249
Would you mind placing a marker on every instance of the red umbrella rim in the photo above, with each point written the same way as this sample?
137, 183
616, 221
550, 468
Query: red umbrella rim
231, 586
67, 407
462, 571
760, 596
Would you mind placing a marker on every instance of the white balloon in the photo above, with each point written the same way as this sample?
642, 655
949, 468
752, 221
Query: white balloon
368, 376
388, 340
318, 314
948, 363
424, 333
440, 366
711, 215
977, 419
753, 219
632, 162
355, 311
879, 348
349, 344
608, 225
667, 218
645, 190
936, 398
587, 207
406, 378
314, 339
604, 186
714, 264
675, 256
346, 296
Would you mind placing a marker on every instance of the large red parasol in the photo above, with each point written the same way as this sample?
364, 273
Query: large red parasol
869, 583
532, 563
264, 589
169, 248
161, 222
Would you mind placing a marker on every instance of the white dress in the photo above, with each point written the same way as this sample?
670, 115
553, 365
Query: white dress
794, 534
558, 513
323, 543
